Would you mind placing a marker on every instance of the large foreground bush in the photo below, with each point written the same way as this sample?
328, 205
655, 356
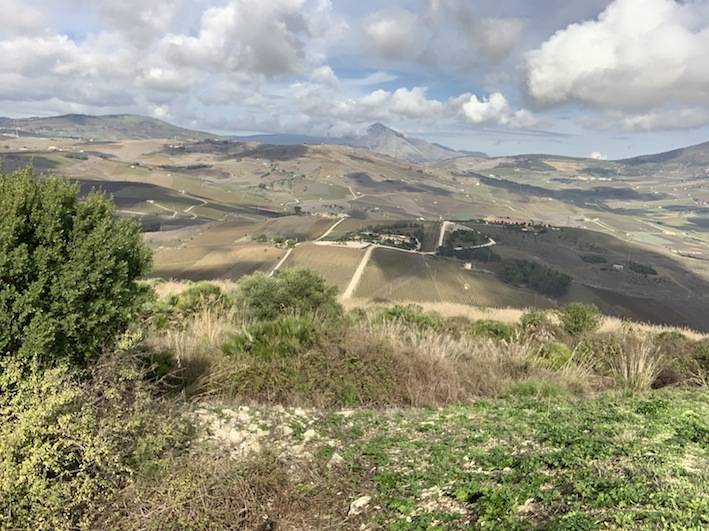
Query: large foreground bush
67, 271
69, 440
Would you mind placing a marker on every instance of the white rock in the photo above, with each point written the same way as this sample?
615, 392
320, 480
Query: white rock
335, 460
357, 506
309, 435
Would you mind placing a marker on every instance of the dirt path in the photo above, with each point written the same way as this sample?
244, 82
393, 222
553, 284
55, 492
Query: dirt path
281, 262
189, 209
442, 234
357, 276
329, 231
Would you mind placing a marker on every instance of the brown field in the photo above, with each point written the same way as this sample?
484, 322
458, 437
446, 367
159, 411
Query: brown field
202, 263
298, 227
335, 264
397, 276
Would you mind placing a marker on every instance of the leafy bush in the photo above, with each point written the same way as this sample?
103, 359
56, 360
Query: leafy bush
554, 354
579, 319
173, 311
594, 258
66, 442
537, 325
293, 290
411, 315
493, 329
281, 337
344, 369
643, 269
68, 271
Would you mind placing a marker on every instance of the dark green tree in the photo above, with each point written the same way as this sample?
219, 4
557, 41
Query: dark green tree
293, 290
68, 271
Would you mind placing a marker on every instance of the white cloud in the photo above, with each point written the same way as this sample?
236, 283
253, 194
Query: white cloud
18, 18
597, 155
637, 56
447, 34
397, 34
495, 109
684, 118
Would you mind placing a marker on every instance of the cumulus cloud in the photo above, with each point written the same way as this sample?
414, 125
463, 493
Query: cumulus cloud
597, 155
327, 106
447, 34
638, 56
495, 109
272, 38
242, 64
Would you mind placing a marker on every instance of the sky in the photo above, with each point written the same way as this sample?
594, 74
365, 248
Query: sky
608, 78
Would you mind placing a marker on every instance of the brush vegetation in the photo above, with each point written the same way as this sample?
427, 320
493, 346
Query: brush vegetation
266, 405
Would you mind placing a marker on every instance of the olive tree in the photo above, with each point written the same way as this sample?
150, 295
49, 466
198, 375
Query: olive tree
68, 271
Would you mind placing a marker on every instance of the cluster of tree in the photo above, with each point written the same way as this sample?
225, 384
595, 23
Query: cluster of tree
594, 259
643, 269
466, 238
484, 254
535, 276
404, 235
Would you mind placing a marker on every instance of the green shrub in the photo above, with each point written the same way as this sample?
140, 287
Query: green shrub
579, 319
68, 271
594, 258
172, 311
411, 315
493, 329
344, 370
554, 354
537, 325
293, 290
67, 441
643, 269
281, 337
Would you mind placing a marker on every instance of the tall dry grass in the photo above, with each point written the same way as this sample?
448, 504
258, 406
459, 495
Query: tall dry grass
196, 347
634, 361
437, 368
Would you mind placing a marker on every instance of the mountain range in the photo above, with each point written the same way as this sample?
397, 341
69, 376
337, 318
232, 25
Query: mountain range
377, 138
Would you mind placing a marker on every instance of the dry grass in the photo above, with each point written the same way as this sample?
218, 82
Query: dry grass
437, 368
614, 325
165, 288
168, 288
447, 309
196, 349
635, 362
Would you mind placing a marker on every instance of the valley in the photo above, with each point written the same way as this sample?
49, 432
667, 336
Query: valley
220, 209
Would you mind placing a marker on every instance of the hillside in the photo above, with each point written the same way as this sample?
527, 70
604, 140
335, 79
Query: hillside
101, 128
697, 155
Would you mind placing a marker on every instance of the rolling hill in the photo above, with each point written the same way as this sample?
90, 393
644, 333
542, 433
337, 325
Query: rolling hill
697, 155
102, 128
